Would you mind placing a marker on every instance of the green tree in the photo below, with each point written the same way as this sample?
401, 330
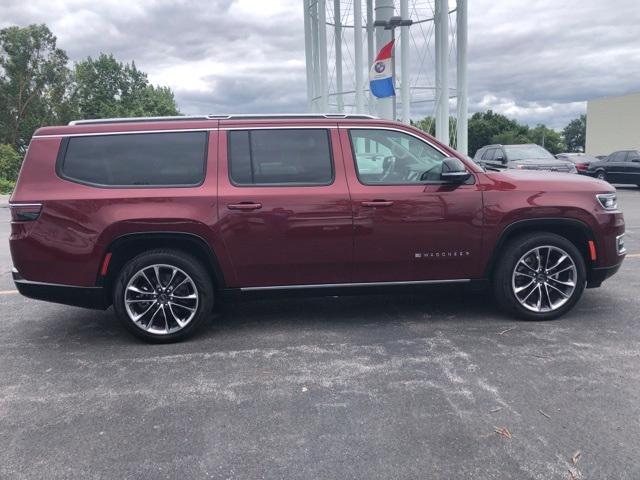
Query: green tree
33, 83
10, 161
105, 87
575, 134
547, 138
484, 128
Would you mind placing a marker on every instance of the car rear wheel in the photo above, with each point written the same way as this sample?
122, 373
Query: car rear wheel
540, 276
601, 175
163, 296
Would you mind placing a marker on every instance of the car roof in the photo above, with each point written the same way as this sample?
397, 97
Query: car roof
200, 122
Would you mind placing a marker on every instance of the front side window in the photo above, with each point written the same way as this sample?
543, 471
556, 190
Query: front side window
140, 159
488, 155
387, 157
280, 156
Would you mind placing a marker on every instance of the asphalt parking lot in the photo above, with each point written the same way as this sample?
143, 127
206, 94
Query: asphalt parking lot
402, 386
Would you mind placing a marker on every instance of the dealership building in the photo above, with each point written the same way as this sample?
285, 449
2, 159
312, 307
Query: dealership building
613, 123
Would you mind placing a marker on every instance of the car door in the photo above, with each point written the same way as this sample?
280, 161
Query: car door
633, 167
408, 227
285, 214
615, 167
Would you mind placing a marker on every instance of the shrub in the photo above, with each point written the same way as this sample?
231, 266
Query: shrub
10, 162
6, 186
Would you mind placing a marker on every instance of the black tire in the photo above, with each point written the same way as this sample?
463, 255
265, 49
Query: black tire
201, 281
508, 261
601, 175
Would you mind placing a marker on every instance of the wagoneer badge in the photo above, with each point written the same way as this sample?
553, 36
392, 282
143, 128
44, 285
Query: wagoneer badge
455, 253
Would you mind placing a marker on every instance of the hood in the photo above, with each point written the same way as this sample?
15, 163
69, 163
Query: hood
532, 180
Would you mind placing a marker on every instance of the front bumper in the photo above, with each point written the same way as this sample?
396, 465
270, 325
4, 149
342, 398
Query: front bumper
86, 297
597, 275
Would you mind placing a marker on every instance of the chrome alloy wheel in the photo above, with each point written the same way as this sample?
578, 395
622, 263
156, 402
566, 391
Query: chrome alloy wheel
544, 279
161, 299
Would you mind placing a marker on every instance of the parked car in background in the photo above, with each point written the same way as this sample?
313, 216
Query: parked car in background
580, 160
522, 157
622, 166
163, 217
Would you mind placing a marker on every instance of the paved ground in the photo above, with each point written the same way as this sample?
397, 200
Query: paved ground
362, 387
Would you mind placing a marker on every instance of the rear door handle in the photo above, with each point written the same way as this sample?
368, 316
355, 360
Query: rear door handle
244, 206
377, 203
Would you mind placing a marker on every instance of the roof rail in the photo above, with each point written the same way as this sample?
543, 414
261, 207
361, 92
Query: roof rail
218, 117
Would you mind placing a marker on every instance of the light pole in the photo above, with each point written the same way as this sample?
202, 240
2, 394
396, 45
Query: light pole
391, 25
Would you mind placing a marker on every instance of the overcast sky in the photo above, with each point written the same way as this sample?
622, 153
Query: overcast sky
536, 61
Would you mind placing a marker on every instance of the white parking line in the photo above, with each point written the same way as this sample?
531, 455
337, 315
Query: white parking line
8, 292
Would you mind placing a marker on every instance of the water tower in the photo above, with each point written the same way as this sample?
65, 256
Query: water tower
430, 59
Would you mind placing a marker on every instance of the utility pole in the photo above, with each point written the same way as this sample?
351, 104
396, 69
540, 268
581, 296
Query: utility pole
441, 20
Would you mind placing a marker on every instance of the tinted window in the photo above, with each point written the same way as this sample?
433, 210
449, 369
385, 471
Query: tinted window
633, 155
271, 157
488, 155
136, 159
617, 157
390, 157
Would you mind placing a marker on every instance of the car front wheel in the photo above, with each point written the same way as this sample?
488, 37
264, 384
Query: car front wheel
163, 296
540, 276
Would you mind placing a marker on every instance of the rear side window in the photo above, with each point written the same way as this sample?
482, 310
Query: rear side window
140, 159
276, 157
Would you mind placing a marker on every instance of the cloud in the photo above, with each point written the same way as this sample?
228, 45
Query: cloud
533, 61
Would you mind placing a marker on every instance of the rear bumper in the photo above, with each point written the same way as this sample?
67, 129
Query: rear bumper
86, 297
598, 275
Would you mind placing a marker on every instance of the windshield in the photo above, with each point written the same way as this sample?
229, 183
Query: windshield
527, 152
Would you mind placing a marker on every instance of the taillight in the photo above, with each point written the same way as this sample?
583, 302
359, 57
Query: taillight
582, 166
25, 212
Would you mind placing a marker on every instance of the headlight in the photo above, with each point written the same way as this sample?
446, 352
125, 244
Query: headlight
609, 201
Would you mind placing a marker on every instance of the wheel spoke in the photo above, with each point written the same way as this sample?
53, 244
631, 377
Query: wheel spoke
173, 275
566, 284
555, 274
539, 304
138, 291
546, 291
137, 317
524, 287
144, 275
538, 259
150, 323
182, 306
175, 317
166, 320
558, 290
525, 274
562, 258
191, 296
156, 271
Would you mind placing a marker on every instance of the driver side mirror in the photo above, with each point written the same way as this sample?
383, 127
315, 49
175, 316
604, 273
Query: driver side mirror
454, 171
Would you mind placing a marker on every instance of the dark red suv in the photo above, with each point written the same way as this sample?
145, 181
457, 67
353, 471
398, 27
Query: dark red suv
162, 217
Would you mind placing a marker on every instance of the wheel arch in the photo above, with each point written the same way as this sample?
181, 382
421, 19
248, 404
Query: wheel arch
576, 231
126, 247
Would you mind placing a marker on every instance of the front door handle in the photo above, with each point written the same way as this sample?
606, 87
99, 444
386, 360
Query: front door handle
377, 203
244, 206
